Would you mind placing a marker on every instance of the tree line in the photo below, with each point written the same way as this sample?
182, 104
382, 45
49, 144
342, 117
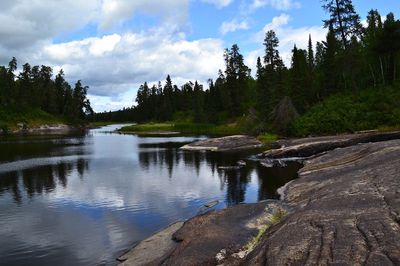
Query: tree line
35, 88
351, 58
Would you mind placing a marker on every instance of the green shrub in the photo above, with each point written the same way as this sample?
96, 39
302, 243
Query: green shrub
350, 112
4, 128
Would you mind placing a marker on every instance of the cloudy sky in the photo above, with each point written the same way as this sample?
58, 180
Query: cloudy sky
113, 46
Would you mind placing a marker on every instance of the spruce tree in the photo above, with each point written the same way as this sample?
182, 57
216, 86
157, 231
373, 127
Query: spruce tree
343, 19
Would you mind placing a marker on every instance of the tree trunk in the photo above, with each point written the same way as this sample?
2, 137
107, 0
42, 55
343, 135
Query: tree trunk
383, 75
339, 16
373, 74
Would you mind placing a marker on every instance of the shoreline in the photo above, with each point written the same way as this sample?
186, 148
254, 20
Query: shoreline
294, 201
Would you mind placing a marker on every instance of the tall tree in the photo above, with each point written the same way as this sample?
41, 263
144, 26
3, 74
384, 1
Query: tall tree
390, 47
237, 74
310, 53
25, 85
343, 19
271, 57
330, 69
270, 86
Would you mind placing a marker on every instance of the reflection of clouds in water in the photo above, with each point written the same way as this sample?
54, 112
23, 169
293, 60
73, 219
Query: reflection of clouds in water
154, 190
95, 199
45, 230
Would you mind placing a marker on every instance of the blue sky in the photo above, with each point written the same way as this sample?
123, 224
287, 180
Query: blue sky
115, 45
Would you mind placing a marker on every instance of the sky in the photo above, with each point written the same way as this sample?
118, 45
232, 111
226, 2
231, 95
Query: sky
113, 46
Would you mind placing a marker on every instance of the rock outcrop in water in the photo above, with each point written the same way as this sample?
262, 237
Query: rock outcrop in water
230, 143
307, 147
344, 209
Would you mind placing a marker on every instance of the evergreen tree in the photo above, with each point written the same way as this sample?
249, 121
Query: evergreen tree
168, 101
270, 86
299, 68
198, 102
272, 57
389, 47
237, 74
345, 22
310, 53
80, 104
330, 69
24, 88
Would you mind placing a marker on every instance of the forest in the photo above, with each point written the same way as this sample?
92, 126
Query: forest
34, 93
348, 82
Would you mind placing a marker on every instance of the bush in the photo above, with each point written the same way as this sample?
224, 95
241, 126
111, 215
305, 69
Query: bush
348, 112
4, 128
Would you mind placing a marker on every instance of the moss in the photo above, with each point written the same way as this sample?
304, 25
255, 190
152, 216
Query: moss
274, 218
267, 138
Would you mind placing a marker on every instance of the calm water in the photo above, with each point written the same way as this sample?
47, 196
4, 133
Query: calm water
84, 200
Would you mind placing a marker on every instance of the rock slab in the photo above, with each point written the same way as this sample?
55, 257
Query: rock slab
152, 250
230, 143
347, 211
307, 147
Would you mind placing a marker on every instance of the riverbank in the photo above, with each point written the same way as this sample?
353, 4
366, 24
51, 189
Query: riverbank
343, 208
36, 122
182, 128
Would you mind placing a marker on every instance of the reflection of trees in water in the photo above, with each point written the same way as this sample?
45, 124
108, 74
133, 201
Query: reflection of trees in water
25, 147
171, 158
270, 179
235, 181
9, 182
39, 180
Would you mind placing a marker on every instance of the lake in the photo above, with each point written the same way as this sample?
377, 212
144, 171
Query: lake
85, 199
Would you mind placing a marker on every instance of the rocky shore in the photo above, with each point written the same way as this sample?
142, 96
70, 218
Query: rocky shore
230, 143
344, 209
44, 129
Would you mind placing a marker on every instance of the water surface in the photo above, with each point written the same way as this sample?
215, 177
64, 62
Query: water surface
85, 199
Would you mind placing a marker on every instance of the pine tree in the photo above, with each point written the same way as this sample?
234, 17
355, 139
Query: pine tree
343, 19
168, 101
272, 57
237, 74
271, 85
310, 53
330, 69
390, 47
24, 88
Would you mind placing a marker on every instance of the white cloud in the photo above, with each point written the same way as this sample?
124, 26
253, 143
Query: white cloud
25, 22
276, 4
232, 26
277, 22
218, 3
116, 11
114, 65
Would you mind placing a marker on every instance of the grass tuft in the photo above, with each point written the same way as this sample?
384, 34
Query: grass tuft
274, 218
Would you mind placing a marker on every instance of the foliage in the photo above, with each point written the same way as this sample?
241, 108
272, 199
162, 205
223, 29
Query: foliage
350, 60
343, 20
34, 96
350, 112
11, 120
184, 128
267, 138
